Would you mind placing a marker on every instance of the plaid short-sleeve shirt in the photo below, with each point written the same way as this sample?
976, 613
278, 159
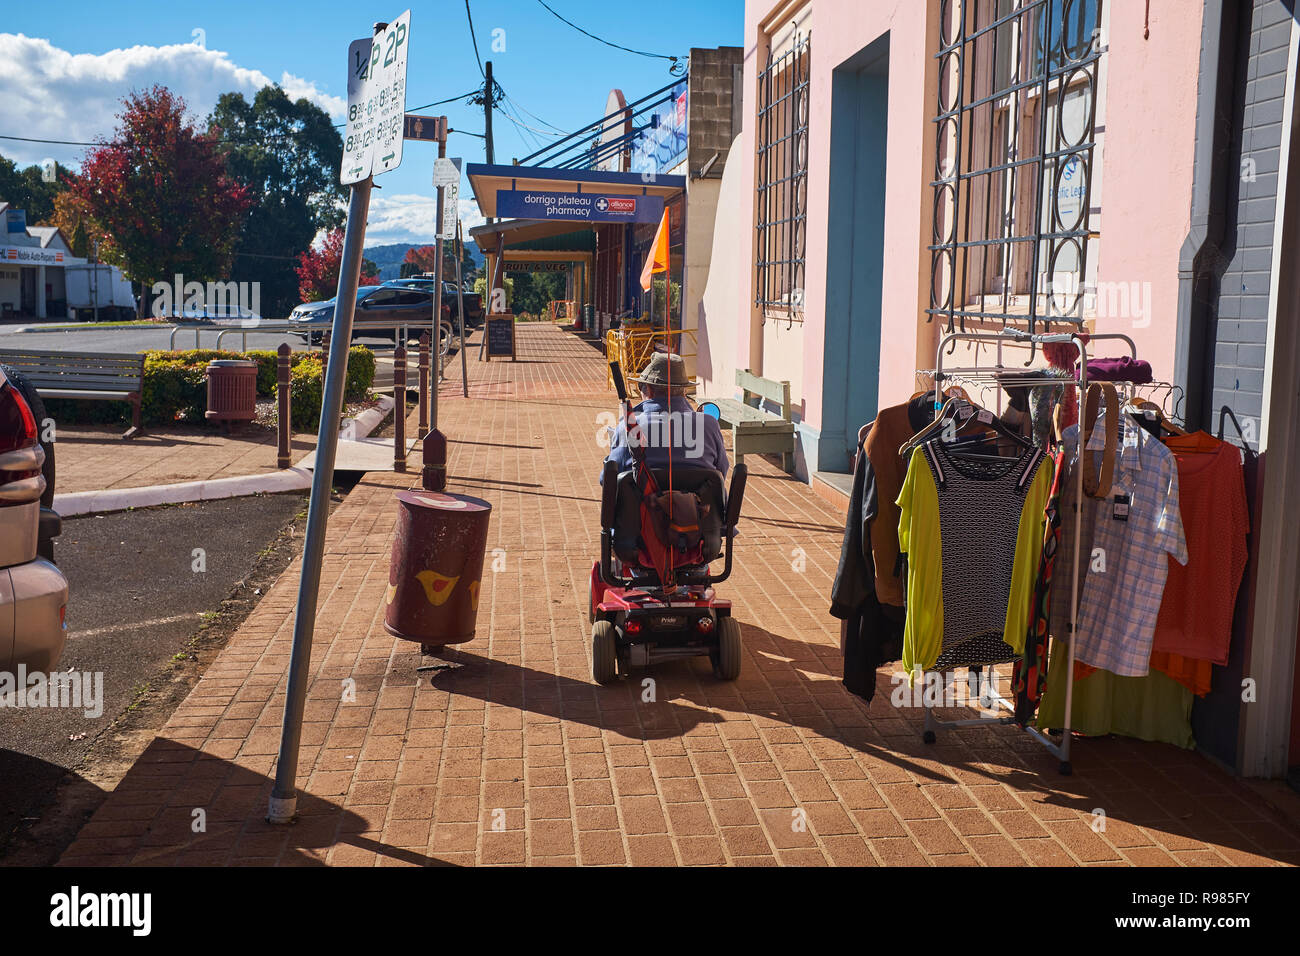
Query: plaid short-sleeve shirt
1127, 540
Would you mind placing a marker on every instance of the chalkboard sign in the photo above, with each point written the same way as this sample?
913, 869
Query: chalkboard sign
501, 336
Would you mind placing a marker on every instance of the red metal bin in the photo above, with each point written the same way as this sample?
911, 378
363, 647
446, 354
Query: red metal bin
436, 567
232, 390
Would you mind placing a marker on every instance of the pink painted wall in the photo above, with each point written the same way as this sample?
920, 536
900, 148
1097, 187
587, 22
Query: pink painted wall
1147, 165
840, 30
1146, 177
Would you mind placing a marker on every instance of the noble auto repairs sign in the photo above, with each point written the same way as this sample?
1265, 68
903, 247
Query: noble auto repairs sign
579, 207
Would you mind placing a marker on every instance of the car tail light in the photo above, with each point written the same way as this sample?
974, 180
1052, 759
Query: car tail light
21, 455
704, 625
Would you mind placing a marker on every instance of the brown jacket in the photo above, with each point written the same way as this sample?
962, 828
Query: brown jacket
893, 426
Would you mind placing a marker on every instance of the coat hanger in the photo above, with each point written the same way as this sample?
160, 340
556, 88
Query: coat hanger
1154, 413
962, 411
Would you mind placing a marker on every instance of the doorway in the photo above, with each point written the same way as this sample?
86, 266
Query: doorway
855, 251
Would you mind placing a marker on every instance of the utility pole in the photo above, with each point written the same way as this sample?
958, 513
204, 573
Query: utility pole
487, 129
488, 90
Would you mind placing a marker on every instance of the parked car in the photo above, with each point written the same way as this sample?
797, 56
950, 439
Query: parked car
450, 305
381, 311
33, 592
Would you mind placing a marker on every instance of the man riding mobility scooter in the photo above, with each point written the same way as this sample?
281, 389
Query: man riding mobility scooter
652, 595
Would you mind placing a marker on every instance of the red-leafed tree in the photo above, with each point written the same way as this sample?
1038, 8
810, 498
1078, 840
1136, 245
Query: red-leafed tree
159, 194
423, 258
318, 269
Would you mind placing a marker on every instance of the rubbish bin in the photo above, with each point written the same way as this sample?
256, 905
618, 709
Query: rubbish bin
232, 390
436, 567
589, 318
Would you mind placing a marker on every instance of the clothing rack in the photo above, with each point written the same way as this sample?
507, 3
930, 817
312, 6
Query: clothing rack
1059, 746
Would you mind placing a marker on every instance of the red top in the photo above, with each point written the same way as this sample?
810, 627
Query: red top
1196, 611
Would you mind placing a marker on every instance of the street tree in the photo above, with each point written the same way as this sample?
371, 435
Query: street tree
159, 195
318, 269
286, 153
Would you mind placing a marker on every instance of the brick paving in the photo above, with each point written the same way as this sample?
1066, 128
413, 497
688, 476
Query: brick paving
513, 755
93, 458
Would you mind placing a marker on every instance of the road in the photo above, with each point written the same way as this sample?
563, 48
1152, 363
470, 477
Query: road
135, 599
129, 339
133, 338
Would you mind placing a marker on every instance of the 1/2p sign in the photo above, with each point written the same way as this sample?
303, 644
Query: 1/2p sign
376, 102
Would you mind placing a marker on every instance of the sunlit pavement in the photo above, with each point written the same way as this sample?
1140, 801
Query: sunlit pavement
512, 755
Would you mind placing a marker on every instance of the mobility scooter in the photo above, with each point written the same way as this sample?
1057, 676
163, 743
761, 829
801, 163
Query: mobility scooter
653, 600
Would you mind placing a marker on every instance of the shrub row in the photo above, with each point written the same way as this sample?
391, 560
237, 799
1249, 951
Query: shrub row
175, 388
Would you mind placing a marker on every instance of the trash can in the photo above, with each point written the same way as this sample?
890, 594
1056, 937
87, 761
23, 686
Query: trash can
589, 318
436, 567
232, 390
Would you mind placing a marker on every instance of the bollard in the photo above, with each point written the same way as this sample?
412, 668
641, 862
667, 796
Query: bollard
283, 425
399, 408
424, 382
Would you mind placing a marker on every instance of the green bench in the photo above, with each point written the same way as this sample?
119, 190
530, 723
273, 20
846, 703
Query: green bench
757, 432
85, 375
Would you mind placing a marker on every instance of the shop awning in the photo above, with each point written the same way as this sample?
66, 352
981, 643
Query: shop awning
517, 231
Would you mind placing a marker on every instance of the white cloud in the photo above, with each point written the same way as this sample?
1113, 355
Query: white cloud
48, 93
408, 217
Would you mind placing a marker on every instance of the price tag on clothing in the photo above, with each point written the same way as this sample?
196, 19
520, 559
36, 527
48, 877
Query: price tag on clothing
1121, 508
985, 416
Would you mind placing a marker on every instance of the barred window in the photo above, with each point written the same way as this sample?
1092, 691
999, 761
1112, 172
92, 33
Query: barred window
1014, 186
782, 140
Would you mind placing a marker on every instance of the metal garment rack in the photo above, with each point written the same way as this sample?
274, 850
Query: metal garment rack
1058, 746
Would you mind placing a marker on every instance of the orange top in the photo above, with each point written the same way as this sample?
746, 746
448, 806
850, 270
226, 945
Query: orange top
1196, 611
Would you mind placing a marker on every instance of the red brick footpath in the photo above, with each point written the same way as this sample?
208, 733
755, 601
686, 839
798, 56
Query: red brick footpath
512, 755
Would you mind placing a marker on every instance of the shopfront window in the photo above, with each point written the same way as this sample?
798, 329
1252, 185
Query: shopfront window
782, 141
1015, 191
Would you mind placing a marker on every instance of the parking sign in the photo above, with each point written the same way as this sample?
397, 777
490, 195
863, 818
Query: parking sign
372, 142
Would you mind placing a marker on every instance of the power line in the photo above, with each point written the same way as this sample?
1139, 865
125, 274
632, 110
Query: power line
658, 56
519, 106
474, 39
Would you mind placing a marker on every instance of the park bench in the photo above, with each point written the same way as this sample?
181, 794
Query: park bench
84, 375
758, 432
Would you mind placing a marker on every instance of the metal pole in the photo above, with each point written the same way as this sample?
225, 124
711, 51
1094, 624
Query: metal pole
95, 272
284, 795
399, 409
437, 278
424, 382
460, 305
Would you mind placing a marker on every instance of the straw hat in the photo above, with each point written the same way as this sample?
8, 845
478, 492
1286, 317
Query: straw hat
656, 373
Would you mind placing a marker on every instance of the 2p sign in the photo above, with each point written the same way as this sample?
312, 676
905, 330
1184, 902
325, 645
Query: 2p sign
372, 142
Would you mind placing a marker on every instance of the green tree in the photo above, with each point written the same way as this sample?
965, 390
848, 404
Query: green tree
286, 153
27, 189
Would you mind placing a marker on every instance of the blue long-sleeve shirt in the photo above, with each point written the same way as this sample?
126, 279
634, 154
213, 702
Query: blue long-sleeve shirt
696, 438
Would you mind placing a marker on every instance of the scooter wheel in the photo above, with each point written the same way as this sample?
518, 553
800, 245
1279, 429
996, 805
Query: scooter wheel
726, 659
604, 653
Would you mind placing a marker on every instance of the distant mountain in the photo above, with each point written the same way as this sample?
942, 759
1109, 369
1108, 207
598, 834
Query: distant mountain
388, 258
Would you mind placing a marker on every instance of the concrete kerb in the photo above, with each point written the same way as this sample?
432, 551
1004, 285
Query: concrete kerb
275, 482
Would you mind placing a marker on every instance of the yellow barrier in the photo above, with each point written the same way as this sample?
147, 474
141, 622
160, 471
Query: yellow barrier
633, 346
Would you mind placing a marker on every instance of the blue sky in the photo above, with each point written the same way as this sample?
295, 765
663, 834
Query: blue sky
62, 74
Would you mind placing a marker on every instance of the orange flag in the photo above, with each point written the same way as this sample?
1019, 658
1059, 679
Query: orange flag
658, 260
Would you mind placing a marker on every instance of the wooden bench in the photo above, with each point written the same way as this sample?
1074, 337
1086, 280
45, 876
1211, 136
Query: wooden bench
757, 432
85, 375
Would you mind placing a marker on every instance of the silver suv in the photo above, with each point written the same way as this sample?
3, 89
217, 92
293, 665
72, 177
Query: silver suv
33, 592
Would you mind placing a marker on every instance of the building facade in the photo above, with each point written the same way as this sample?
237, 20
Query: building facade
906, 169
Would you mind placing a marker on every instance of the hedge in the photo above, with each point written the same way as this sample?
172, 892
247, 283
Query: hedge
175, 388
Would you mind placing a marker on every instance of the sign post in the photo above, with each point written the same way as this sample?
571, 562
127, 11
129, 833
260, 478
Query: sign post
433, 474
460, 306
376, 103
